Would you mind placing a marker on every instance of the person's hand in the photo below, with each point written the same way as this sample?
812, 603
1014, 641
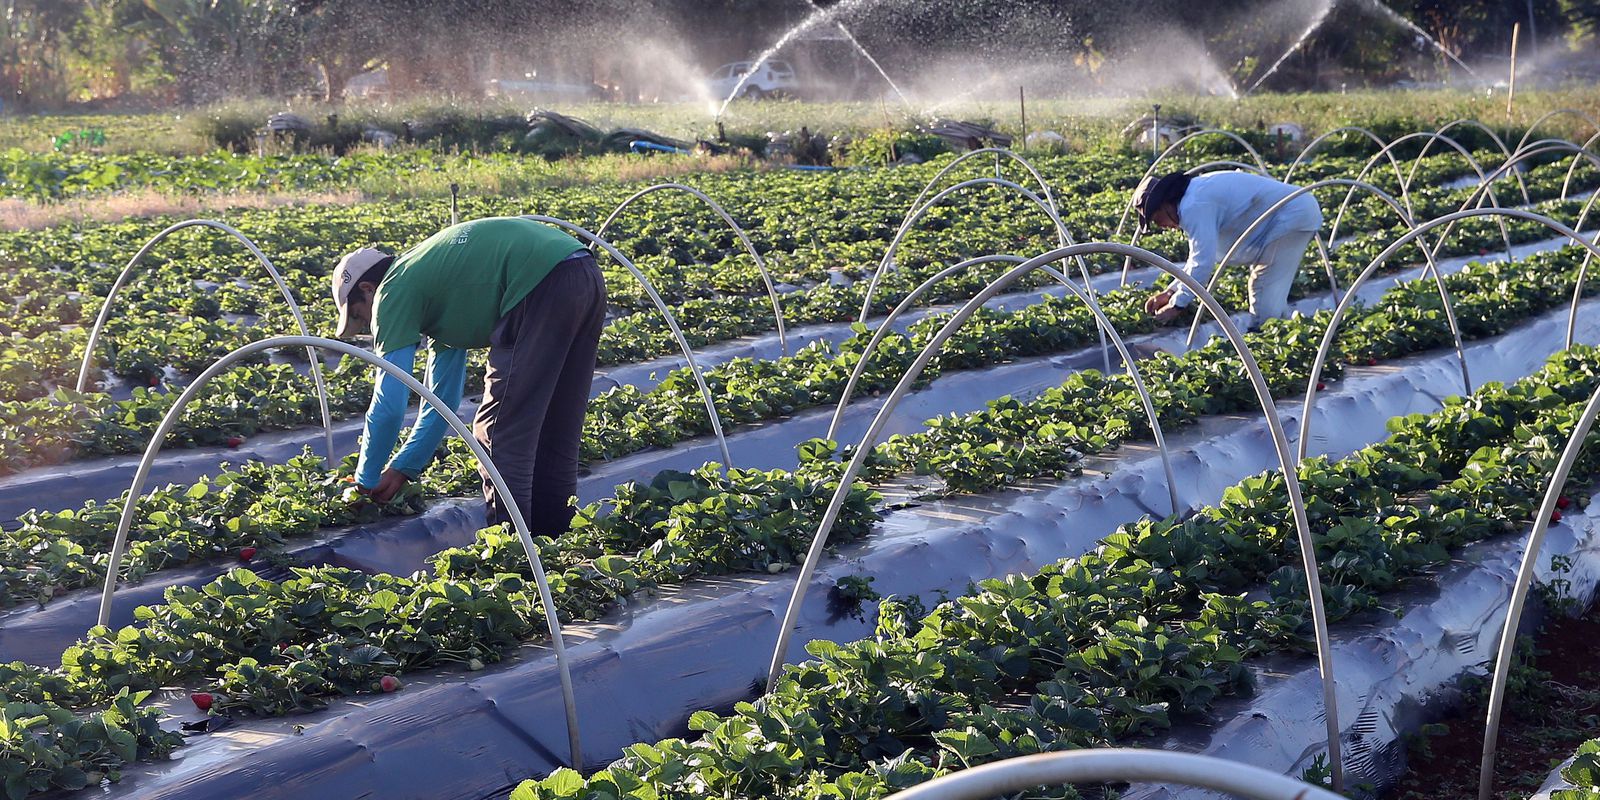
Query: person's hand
389, 485
1157, 301
1168, 314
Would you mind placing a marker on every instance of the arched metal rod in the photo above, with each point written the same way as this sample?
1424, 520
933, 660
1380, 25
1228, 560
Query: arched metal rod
1114, 765
1471, 123
1431, 267
1549, 115
1224, 164
1566, 183
1520, 589
104, 316
125, 523
666, 313
999, 153
1405, 188
1094, 308
918, 212
1399, 178
716, 208
1263, 393
1175, 147
1388, 253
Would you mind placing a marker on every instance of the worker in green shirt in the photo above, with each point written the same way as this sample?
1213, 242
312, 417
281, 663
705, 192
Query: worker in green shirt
530, 294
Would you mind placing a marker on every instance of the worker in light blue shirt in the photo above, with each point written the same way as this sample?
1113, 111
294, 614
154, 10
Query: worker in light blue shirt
1214, 210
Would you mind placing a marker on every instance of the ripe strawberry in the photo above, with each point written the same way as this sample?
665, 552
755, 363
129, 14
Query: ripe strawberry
235, 441
247, 553
389, 683
155, 380
1563, 502
1372, 362
1555, 516
202, 700
1321, 386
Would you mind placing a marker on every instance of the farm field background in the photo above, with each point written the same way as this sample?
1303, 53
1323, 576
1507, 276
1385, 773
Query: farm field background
263, 621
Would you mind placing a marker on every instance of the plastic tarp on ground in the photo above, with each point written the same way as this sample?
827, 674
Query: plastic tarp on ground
401, 546
1393, 672
68, 485
640, 673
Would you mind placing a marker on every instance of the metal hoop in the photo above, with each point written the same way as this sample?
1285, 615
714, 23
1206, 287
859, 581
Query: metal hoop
1388, 252
1288, 175
1405, 186
999, 152
283, 288
1263, 394
1519, 592
672, 321
1549, 115
1566, 183
1094, 308
761, 264
1417, 162
918, 212
1174, 147
1114, 765
125, 523
1349, 297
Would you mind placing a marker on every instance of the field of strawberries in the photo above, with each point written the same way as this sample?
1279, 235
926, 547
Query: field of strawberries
1029, 553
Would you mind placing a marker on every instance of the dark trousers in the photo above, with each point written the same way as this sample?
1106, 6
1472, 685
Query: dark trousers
536, 390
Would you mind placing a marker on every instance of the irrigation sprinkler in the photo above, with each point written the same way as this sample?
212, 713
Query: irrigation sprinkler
1094, 308
277, 279
1263, 393
1520, 589
1333, 324
1114, 765
666, 313
125, 522
455, 194
716, 208
1430, 268
1063, 236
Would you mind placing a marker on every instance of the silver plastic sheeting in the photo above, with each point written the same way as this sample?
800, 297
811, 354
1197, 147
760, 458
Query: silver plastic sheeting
642, 672
1391, 671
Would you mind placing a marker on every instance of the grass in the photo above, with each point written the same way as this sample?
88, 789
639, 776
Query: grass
1088, 123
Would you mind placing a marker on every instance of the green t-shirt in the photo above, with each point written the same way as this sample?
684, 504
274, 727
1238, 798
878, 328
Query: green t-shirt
459, 282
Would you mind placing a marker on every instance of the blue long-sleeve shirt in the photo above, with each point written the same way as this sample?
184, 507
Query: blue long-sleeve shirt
447, 377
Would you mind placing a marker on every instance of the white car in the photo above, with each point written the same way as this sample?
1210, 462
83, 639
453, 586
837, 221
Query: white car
772, 77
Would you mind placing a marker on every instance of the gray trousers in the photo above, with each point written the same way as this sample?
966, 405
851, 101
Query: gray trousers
1273, 276
536, 391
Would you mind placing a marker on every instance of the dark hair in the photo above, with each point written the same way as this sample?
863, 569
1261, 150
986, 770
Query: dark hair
376, 273
1168, 189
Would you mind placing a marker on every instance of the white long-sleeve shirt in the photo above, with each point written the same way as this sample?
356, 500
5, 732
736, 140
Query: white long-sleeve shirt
1218, 207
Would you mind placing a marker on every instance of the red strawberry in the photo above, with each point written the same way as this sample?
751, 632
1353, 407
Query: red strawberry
155, 380
1321, 386
235, 441
202, 700
247, 553
389, 683
1555, 516
1563, 502
1372, 362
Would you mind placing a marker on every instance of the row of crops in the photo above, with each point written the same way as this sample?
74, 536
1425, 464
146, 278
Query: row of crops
1155, 627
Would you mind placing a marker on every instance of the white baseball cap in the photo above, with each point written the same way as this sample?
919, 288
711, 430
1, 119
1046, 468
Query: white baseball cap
347, 275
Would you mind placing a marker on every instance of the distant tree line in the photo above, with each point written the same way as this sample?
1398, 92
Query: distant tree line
60, 53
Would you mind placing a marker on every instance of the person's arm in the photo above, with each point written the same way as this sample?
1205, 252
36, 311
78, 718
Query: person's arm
1201, 224
385, 415
447, 377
